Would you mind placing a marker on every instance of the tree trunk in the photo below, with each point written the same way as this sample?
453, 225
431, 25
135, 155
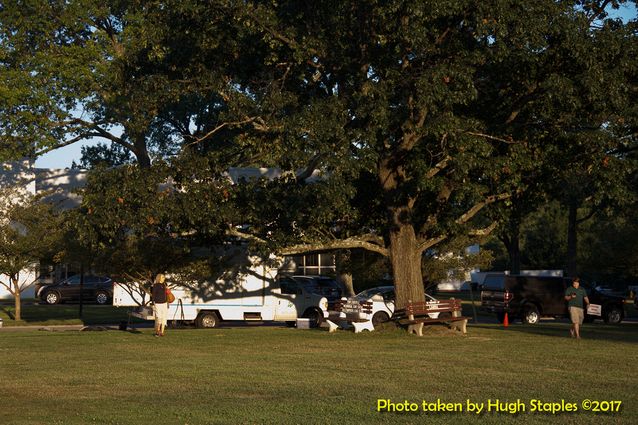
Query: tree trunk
514, 248
572, 240
346, 281
405, 258
405, 255
141, 152
17, 300
344, 275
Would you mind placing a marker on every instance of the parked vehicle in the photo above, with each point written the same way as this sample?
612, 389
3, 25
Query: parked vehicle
96, 289
532, 297
322, 285
255, 295
382, 298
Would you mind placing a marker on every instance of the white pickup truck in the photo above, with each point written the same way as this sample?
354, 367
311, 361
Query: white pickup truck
253, 295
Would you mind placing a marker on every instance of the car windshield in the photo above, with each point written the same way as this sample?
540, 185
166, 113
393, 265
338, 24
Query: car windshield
321, 286
368, 293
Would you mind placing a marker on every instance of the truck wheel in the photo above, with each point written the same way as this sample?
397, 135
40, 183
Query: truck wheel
315, 316
531, 316
613, 316
207, 319
379, 317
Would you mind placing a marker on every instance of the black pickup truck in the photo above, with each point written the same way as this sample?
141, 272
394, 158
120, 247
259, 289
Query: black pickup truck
532, 297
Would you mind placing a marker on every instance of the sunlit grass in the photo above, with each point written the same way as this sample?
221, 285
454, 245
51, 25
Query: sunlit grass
278, 375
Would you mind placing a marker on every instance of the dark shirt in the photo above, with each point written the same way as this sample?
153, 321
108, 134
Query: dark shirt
580, 296
159, 293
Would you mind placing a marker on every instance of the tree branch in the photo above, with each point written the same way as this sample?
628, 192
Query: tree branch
219, 127
467, 216
498, 139
478, 207
67, 143
438, 167
350, 243
369, 242
484, 231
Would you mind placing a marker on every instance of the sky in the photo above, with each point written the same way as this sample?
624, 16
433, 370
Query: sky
63, 157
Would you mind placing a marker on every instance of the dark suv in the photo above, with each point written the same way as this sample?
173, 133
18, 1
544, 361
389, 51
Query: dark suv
96, 289
531, 297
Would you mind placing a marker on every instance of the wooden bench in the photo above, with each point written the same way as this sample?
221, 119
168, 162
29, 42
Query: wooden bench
417, 314
351, 312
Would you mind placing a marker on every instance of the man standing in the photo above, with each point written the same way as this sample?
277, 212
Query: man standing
575, 296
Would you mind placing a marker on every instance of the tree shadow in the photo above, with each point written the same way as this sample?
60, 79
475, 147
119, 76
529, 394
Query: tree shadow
8, 312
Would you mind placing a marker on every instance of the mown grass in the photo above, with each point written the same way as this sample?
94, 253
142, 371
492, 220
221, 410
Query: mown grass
276, 375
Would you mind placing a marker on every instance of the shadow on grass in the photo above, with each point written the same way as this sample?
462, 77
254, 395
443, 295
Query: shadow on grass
8, 312
624, 332
42, 314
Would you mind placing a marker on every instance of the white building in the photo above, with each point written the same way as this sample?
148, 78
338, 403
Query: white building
57, 186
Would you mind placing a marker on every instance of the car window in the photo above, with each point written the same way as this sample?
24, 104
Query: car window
73, 280
494, 281
289, 287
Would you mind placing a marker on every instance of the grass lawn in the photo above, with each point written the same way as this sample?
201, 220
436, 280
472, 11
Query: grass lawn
274, 375
62, 314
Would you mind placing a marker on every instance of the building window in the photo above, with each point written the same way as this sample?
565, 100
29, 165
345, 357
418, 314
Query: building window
314, 264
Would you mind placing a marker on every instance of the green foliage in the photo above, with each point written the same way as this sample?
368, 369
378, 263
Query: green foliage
130, 222
103, 155
417, 115
29, 231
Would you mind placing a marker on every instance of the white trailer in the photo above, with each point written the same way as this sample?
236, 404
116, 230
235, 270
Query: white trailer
254, 294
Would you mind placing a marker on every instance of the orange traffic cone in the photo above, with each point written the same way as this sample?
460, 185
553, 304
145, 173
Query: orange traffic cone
506, 321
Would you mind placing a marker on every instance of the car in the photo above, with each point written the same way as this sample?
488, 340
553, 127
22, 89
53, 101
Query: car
321, 285
96, 289
532, 297
382, 298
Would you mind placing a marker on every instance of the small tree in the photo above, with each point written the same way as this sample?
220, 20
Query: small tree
29, 231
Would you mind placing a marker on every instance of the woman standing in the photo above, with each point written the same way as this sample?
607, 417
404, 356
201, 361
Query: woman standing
160, 304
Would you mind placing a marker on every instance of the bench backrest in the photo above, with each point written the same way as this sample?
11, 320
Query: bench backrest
353, 306
422, 308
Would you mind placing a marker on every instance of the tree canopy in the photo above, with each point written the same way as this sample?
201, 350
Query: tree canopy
395, 125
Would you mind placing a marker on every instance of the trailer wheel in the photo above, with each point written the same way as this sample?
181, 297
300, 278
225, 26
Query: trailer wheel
207, 319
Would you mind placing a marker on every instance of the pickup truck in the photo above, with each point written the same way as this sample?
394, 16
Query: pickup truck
532, 297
